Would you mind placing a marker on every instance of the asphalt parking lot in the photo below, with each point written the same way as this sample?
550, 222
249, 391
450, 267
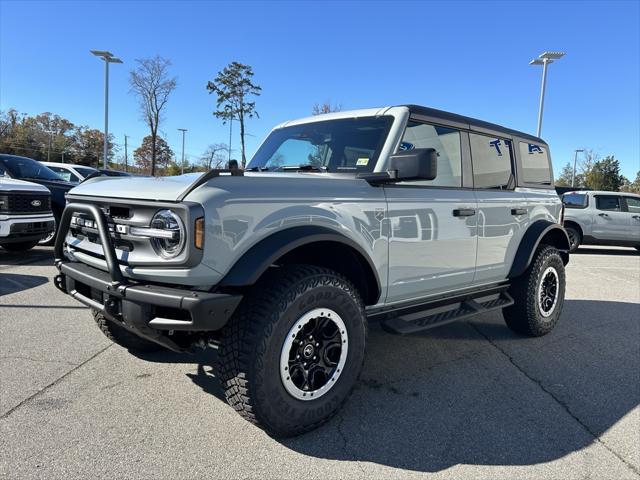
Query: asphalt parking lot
468, 400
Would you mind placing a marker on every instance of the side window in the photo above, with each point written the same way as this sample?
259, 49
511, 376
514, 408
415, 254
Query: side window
445, 141
63, 173
633, 204
492, 160
535, 164
575, 200
608, 202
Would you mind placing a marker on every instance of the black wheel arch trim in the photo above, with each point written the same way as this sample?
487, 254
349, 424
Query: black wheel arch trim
532, 239
254, 262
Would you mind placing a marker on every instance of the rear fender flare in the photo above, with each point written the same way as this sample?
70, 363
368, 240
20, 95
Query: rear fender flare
540, 231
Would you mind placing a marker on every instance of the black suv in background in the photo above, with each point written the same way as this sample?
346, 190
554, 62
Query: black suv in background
24, 168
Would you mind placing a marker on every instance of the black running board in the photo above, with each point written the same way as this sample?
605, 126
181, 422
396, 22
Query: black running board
434, 317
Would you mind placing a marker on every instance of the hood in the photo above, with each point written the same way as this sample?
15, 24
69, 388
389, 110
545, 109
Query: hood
14, 185
139, 188
171, 189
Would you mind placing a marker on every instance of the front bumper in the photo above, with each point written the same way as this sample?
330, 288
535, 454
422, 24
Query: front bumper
24, 228
148, 310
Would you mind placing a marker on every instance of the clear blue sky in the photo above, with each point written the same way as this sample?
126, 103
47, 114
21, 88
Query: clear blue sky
466, 57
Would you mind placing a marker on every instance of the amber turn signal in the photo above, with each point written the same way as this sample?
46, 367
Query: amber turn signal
198, 238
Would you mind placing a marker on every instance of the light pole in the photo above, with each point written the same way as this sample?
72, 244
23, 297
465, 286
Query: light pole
108, 58
183, 130
575, 159
544, 59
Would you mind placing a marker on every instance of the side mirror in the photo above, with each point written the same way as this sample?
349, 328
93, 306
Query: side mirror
417, 164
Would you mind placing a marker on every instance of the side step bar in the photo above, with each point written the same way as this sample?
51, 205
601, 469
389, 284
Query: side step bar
434, 317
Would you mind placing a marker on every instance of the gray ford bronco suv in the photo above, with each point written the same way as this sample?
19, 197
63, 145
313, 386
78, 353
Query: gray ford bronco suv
405, 215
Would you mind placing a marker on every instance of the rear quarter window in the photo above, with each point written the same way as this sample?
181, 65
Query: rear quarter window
536, 167
575, 200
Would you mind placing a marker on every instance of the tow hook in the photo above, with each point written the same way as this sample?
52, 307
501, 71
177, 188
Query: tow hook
58, 281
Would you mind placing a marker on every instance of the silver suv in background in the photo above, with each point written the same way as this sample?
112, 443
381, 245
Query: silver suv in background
405, 215
602, 218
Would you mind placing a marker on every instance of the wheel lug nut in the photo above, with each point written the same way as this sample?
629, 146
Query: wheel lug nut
317, 344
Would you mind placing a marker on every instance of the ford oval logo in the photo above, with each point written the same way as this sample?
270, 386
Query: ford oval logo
36, 203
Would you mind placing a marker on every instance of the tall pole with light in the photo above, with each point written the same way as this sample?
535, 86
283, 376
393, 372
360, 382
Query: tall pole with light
183, 130
544, 59
108, 58
575, 160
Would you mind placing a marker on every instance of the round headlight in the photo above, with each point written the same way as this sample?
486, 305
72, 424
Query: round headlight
172, 245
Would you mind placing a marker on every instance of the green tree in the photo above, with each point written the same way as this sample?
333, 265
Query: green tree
234, 88
565, 177
143, 155
86, 147
151, 83
605, 175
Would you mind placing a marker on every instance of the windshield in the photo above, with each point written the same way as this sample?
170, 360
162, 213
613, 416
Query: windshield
343, 145
22, 167
84, 171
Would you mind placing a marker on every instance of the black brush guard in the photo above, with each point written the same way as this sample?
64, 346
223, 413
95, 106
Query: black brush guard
145, 309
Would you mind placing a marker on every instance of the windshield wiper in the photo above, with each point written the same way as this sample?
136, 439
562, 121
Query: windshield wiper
307, 167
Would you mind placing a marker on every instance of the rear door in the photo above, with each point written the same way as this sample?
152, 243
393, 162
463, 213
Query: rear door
431, 223
633, 212
503, 213
610, 221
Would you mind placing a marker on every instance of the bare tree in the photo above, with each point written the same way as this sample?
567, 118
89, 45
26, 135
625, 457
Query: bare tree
212, 157
326, 107
152, 85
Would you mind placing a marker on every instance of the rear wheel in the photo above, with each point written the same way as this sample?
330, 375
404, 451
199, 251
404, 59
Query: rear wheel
293, 351
122, 336
574, 238
538, 295
19, 246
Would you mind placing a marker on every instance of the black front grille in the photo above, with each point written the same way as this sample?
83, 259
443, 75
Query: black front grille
19, 203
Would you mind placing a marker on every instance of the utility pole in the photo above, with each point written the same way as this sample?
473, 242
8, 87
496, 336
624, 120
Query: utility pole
575, 160
49, 150
544, 59
108, 58
126, 155
183, 130
230, 129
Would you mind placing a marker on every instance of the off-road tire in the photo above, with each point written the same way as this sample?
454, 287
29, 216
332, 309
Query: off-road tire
575, 238
525, 316
123, 337
19, 246
252, 342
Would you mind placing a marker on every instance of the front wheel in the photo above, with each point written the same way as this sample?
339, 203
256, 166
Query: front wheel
122, 336
293, 351
538, 294
574, 238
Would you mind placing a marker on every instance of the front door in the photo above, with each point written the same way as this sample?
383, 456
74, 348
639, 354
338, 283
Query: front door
431, 225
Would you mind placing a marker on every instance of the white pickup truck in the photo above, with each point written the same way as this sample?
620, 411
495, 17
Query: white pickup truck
25, 214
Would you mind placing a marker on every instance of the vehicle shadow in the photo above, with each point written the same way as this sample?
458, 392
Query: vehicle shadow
606, 251
14, 282
39, 256
476, 393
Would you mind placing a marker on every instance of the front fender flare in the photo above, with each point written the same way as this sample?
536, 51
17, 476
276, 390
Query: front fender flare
254, 262
553, 233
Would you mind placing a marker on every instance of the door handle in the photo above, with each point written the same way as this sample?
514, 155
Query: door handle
464, 212
518, 211
637, 217
603, 214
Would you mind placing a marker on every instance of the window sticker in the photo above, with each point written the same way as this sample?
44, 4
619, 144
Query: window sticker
362, 161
